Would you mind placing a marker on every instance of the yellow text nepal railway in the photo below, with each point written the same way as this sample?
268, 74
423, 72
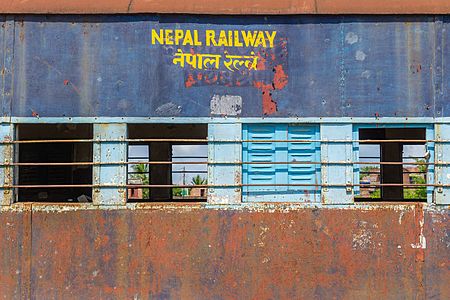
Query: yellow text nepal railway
217, 38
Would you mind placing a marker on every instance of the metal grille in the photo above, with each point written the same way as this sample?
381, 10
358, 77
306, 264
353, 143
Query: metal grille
8, 164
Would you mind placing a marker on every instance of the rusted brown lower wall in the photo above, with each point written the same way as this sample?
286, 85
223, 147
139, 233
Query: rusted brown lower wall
205, 253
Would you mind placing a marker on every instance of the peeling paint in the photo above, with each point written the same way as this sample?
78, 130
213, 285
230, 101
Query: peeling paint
422, 243
351, 38
168, 109
226, 105
360, 55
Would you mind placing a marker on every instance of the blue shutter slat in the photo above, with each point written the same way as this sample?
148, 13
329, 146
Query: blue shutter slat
302, 152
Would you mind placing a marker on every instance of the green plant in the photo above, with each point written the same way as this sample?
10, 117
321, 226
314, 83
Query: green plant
421, 191
142, 174
198, 180
376, 194
365, 170
178, 192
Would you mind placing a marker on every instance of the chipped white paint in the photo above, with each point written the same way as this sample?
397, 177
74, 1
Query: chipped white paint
168, 109
366, 74
262, 236
227, 105
362, 240
367, 236
422, 244
351, 38
360, 55
400, 217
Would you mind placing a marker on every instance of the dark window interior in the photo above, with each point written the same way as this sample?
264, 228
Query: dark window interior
50, 152
184, 154
412, 154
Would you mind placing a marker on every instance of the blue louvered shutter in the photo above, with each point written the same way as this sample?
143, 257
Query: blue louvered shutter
270, 173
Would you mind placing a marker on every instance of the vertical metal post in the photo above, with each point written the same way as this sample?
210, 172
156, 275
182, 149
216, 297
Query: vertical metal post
6, 93
430, 147
222, 152
6, 157
105, 151
337, 174
442, 172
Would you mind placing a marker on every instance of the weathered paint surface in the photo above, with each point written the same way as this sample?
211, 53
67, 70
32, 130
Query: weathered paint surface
106, 66
276, 252
354, 66
228, 7
15, 247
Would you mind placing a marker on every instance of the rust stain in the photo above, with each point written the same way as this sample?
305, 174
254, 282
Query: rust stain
261, 64
268, 104
415, 68
420, 247
280, 80
190, 81
212, 80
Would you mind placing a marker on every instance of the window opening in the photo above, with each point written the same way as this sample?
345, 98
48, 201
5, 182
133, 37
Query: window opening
171, 162
396, 170
370, 173
43, 172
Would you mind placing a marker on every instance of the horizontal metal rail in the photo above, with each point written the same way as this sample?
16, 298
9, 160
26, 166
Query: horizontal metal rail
6, 164
223, 185
216, 141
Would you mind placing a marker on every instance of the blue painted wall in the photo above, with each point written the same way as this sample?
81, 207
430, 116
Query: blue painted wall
333, 66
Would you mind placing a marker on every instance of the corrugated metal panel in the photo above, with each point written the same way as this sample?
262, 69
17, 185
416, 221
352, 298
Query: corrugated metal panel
299, 174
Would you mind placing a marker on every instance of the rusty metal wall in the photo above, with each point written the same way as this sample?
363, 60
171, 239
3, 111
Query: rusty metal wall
193, 252
229, 7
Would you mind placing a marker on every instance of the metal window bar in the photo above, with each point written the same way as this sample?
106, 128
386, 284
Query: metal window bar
372, 187
218, 185
6, 141
9, 164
